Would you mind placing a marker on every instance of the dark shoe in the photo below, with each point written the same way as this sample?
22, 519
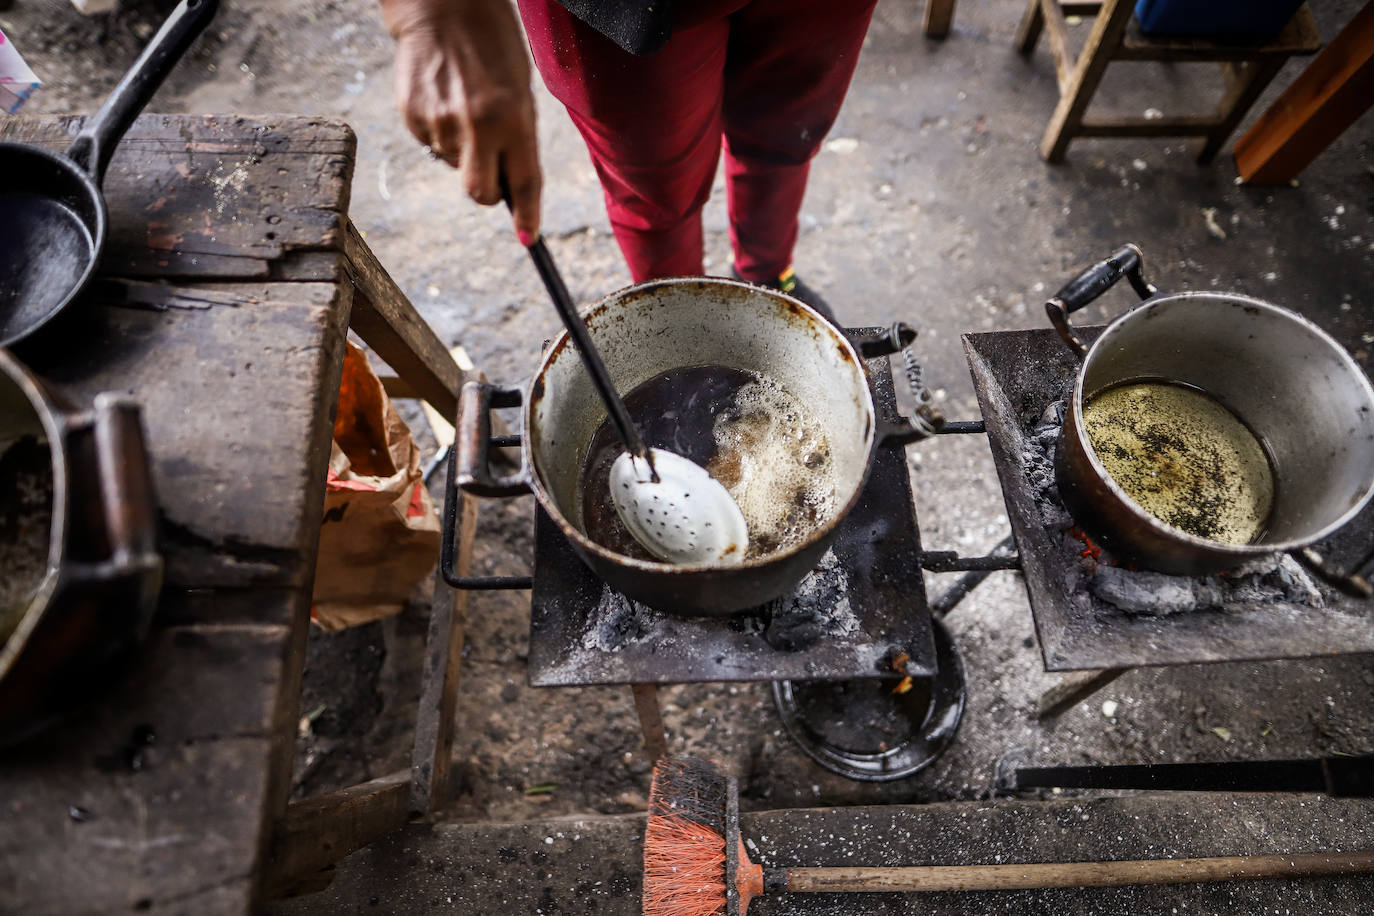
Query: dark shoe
792, 285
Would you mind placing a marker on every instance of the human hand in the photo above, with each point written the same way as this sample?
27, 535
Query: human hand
463, 87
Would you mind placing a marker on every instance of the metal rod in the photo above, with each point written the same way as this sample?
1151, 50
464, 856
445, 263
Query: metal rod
968, 581
1234, 776
950, 561
962, 426
562, 301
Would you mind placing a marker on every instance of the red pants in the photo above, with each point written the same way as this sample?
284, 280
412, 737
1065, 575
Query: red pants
766, 75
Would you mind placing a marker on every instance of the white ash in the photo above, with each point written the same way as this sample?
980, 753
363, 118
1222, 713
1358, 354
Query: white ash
617, 621
1275, 578
817, 609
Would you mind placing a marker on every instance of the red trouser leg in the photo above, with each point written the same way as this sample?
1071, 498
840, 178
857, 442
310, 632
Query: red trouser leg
768, 75
783, 91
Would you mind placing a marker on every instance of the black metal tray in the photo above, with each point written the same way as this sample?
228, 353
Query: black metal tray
1016, 375
575, 641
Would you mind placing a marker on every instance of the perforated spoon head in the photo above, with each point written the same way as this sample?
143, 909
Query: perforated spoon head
685, 517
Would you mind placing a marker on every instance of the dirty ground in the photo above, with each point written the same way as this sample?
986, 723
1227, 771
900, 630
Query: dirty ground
928, 203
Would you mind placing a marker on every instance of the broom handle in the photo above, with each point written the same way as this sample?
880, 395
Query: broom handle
1069, 874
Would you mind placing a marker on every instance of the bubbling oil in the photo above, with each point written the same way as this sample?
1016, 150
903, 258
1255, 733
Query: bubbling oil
1183, 458
750, 434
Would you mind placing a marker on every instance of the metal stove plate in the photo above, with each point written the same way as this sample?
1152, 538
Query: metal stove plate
878, 547
1017, 374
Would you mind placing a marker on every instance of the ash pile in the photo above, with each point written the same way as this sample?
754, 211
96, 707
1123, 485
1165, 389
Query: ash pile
1099, 584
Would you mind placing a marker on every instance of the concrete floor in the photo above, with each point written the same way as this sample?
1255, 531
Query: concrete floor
929, 203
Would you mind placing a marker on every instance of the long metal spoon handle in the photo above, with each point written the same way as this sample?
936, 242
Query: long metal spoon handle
558, 292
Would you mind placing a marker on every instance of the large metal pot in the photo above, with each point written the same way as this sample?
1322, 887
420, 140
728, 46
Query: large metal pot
642, 332
1301, 395
98, 587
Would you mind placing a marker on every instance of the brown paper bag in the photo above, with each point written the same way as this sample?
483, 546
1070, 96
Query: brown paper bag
380, 533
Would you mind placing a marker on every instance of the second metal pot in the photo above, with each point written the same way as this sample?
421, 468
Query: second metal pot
1302, 396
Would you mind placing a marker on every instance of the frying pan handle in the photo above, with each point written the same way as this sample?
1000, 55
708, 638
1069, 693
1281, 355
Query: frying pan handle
1355, 584
1091, 283
126, 487
473, 469
96, 143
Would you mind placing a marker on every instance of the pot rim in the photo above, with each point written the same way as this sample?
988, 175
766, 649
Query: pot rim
55, 427
590, 314
1138, 313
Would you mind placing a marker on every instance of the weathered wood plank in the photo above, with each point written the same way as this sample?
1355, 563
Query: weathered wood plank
1299, 36
317, 832
216, 196
432, 758
1077, 91
1326, 98
387, 320
939, 15
237, 385
152, 796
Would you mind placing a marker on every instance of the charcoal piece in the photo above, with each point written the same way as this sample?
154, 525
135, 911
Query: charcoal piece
1152, 593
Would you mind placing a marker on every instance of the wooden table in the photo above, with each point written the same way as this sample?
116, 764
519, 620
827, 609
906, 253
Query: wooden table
230, 278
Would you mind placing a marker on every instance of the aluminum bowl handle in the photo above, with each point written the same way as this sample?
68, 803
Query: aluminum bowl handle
1091, 283
474, 475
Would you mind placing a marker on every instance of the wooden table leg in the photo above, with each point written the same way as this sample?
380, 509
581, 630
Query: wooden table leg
1325, 99
939, 15
434, 721
1256, 76
387, 322
1074, 689
650, 719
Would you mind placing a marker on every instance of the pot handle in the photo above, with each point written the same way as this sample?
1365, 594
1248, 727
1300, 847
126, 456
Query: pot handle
927, 419
1091, 283
96, 143
126, 486
1355, 584
474, 475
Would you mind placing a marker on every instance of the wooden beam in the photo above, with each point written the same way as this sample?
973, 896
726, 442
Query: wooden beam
1143, 127
432, 758
939, 15
1325, 99
1028, 32
650, 719
387, 321
1087, 73
319, 831
1236, 102
1057, 25
1074, 689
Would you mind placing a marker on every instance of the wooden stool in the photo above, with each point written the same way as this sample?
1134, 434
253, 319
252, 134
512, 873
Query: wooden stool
1247, 68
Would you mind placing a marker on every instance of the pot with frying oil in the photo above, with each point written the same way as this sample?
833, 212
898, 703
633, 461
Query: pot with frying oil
1183, 458
750, 434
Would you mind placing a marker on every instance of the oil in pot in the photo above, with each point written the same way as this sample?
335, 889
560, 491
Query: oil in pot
746, 430
1183, 457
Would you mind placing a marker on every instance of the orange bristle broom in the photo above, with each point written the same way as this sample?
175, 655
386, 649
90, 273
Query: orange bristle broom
695, 863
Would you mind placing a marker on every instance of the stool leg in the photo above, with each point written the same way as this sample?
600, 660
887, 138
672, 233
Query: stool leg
650, 720
939, 14
1108, 28
1237, 101
1028, 33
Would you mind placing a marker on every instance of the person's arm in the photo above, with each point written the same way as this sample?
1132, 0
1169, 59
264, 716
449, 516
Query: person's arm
463, 87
